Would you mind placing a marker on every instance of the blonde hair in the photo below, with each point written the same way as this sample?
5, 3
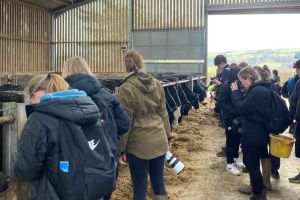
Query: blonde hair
134, 61
249, 73
76, 65
49, 83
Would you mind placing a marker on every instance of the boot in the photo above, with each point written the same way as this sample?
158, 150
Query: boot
266, 172
160, 197
263, 196
275, 174
245, 189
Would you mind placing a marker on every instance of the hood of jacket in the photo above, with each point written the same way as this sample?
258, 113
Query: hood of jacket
72, 105
143, 81
84, 82
264, 83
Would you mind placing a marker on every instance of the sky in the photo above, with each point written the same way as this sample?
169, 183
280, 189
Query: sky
253, 32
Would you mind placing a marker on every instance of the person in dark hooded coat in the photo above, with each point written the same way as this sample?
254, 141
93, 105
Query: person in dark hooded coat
271, 164
118, 121
50, 102
229, 115
78, 74
254, 108
295, 115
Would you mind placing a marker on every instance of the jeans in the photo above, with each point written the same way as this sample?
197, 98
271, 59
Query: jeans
297, 137
139, 170
252, 156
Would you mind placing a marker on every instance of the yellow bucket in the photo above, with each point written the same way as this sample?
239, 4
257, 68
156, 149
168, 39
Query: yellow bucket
281, 146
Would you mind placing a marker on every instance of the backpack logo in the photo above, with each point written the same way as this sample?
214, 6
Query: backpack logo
64, 166
92, 144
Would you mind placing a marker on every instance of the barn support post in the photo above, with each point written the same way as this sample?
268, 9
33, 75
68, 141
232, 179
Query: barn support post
11, 135
52, 44
130, 20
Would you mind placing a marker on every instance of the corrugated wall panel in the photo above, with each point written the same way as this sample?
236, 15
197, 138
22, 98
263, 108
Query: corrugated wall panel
151, 15
24, 38
95, 31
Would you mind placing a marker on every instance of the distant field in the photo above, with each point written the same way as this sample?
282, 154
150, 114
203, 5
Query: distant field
276, 58
282, 60
285, 74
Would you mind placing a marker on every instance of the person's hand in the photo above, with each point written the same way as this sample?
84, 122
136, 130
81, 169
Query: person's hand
216, 81
234, 86
170, 144
123, 159
170, 141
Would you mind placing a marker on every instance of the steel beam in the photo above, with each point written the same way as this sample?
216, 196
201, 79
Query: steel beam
61, 10
254, 8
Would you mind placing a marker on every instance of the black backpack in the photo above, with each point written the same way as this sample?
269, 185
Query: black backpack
284, 90
108, 124
279, 119
87, 169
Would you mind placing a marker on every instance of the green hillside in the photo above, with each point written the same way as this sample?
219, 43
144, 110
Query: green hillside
281, 59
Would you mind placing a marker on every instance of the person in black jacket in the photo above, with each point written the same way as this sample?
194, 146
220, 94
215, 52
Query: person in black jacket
228, 112
232, 124
254, 108
78, 74
118, 120
295, 115
270, 165
38, 159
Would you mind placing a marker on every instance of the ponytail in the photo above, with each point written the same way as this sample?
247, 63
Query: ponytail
134, 61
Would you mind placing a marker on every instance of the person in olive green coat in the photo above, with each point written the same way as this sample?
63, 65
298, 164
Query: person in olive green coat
145, 144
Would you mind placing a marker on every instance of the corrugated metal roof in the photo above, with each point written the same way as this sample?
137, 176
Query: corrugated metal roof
53, 4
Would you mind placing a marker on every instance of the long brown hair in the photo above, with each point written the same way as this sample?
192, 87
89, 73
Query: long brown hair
249, 72
134, 61
49, 83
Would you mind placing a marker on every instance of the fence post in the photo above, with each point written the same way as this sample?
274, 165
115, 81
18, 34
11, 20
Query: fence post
130, 23
191, 83
11, 135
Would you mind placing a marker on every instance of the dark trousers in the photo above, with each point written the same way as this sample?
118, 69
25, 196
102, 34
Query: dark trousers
232, 141
139, 170
297, 137
275, 162
252, 156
